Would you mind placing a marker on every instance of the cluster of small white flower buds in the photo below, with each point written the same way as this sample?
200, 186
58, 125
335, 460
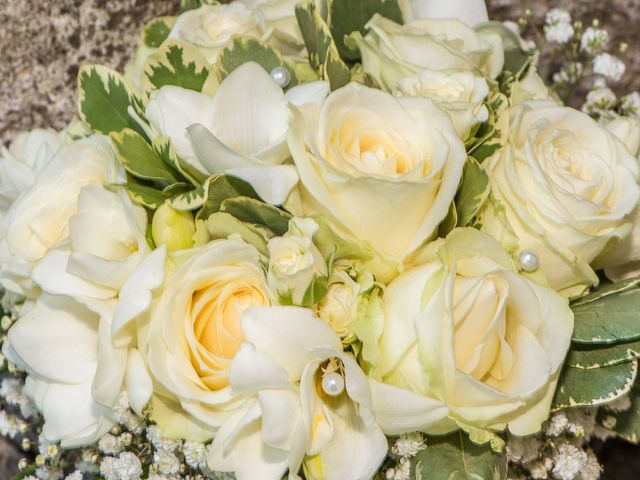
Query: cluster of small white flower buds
558, 27
404, 448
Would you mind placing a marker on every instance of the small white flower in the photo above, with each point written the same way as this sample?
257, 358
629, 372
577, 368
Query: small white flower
11, 390
609, 66
74, 476
195, 454
557, 15
109, 444
166, 462
569, 461
559, 33
631, 104
592, 469
127, 467
522, 449
107, 468
538, 471
557, 425
408, 445
594, 39
8, 425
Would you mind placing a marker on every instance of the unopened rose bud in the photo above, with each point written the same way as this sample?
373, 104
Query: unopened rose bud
173, 228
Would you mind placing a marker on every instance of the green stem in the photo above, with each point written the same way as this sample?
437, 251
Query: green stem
26, 472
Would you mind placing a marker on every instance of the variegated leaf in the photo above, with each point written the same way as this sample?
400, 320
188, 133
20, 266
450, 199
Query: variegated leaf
104, 97
220, 188
157, 31
597, 356
254, 211
162, 146
181, 64
143, 195
473, 192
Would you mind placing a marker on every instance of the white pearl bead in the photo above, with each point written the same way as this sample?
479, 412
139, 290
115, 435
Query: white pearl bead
281, 76
332, 384
529, 260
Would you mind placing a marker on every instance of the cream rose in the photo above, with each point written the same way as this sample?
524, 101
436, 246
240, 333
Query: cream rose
191, 331
391, 52
39, 219
471, 12
562, 186
459, 93
211, 26
381, 169
466, 330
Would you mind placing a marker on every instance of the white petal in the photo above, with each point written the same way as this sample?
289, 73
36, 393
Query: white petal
58, 339
138, 382
251, 371
312, 92
213, 153
272, 183
112, 364
250, 111
471, 12
281, 415
289, 335
401, 411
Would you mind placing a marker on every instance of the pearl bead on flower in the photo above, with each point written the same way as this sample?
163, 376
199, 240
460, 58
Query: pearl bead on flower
332, 384
529, 261
281, 76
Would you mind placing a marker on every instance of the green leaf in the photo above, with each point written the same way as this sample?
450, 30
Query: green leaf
449, 222
473, 192
186, 5
222, 225
352, 15
455, 457
139, 159
164, 149
104, 97
578, 387
608, 289
597, 356
490, 136
316, 291
627, 424
157, 31
146, 196
608, 319
223, 187
181, 64
323, 53
254, 211
246, 49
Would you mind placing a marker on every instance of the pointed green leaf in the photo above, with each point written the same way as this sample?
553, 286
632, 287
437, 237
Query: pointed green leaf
597, 356
490, 136
608, 289
163, 148
104, 97
578, 387
455, 457
352, 15
254, 211
608, 319
191, 200
335, 70
139, 159
473, 192
246, 49
181, 64
316, 291
223, 187
157, 31
221, 225
146, 196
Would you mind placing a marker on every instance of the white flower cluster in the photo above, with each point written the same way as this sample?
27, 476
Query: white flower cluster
404, 448
558, 28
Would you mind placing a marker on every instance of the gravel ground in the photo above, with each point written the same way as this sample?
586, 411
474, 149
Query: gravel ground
42, 43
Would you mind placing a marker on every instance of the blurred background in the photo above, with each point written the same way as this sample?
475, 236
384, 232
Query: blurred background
42, 44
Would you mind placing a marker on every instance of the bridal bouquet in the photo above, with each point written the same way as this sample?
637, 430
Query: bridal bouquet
339, 239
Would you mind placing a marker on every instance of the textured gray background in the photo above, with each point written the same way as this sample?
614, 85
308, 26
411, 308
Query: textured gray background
42, 43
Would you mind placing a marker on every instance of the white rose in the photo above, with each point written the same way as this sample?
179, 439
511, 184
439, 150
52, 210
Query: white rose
471, 12
39, 219
211, 26
464, 330
459, 93
22, 161
562, 186
187, 321
381, 169
391, 52
311, 404
294, 261
622, 260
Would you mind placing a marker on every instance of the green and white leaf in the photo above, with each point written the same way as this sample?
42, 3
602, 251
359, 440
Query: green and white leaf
181, 64
609, 318
254, 211
220, 188
455, 457
140, 160
597, 356
473, 192
104, 97
316, 291
578, 387
608, 289
146, 196
449, 222
221, 225
627, 422
348, 16
157, 31
246, 49
491, 135
164, 149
